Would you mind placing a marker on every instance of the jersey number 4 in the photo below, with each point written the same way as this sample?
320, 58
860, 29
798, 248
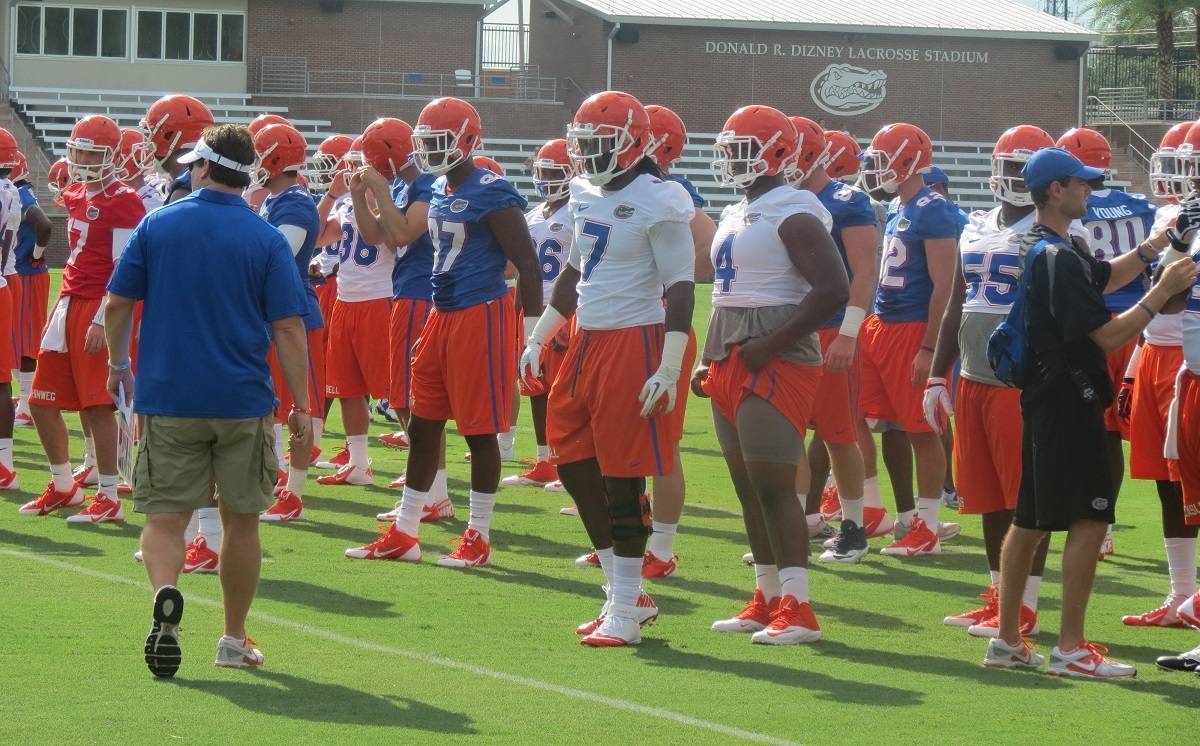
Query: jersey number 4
599, 234
726, 271
448, 236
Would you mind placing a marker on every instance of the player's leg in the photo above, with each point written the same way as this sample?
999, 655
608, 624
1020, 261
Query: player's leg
898, 462
54, 388
819, 482
670, 492
474, 549
106, 504
850, 543
949, 493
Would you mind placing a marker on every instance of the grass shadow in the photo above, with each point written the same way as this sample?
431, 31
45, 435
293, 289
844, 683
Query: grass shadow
44, 546
323, 598
933, 665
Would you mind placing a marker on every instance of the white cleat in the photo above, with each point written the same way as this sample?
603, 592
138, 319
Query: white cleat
617, 629
555, 486
235, 653
1088, 661
568, 510
748, 558
137, 556
1002, 655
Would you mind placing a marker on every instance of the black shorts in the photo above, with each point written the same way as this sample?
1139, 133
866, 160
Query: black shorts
1065, 474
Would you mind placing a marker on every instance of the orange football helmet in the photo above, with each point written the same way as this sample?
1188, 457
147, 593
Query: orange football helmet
10, 151
1089, 146
1166, 171
136, 154
21, 170
262, 121
58, 177
325, 161
896, 153
94, 134
608, 136
448, 130
1016, 145
280, 149
1187, 156
174, 123
756, 141
670, 135
489, 163
387, 146
843, 158
811, 151
553, 170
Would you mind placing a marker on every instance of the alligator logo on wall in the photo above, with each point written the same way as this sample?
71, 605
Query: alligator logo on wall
847, 90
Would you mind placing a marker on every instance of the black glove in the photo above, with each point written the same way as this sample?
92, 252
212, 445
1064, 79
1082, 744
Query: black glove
1186, 223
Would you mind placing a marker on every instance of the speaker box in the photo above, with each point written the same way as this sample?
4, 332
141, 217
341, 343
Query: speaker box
627, 35
1068, 53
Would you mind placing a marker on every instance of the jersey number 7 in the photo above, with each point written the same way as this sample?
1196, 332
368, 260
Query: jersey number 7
598, 233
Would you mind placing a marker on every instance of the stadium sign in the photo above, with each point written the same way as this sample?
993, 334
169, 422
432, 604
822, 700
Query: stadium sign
830, 51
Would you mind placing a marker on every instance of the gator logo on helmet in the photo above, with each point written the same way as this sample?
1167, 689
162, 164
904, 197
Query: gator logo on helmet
847, 90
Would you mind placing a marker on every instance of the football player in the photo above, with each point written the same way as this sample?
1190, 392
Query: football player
778, 278
462, 368
1117, 222
173, 125
10, 300
987, 436
30, 249
835, 410
612, 415
72, 371
897, 341
289, 207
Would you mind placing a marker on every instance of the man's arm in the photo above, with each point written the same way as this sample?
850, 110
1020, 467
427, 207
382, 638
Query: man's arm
946, 351
291, 345
1125, 328
366, 218
861, 242
512, 233
703, 230
43, 229
1131, 264
118, 326
402, 228
940, 254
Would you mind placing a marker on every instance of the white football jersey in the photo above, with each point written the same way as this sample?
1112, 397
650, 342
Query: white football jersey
552, 238
365, 271
1165, 329
753, 269
10, 203
621, 284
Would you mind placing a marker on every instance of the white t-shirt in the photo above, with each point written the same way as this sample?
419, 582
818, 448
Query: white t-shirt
552, 237
365, 271
753, 269
621, 284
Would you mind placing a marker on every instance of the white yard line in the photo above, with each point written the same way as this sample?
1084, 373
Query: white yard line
436, 660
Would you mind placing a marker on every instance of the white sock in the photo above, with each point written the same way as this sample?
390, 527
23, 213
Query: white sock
814, 520
483, 504
626, 582
6, 447
1032, 586
193, 527
995, 576
108, 486
793, 581
89, 451
927, 508
295, 481
1108, 532
852, 510
26, 379
1181, 564
408, 519
209, 525
662, 541
280, 450
506, 439
358, 451
906, 518
61, 474
871, 494
543, 454
606, 564
318, 429
439, 491
766, 580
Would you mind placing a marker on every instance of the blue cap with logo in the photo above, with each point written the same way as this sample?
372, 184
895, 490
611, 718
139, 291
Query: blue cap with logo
936, 175
1051, 164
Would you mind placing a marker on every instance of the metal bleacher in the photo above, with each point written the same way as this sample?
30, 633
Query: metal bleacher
51, 112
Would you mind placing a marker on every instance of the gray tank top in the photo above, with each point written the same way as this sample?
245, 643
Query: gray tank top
731, 326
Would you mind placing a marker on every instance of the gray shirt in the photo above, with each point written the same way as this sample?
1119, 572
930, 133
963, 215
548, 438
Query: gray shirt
732, 326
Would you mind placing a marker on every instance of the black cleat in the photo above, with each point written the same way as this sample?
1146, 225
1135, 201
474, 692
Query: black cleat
849, 546
162, 644
1187, 662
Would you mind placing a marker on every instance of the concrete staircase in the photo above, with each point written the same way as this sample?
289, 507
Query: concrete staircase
39, 166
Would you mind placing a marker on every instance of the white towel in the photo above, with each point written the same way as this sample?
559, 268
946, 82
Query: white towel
1171, 445
54, 339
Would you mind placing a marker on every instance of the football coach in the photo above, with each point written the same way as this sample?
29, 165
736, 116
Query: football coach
1066, 482
217, 282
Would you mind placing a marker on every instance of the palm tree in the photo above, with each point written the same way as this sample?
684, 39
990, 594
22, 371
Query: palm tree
1135, 14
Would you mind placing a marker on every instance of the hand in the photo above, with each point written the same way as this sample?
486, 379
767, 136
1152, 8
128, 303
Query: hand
1178, 277
662, 384
840, 355
756, 354
117, 379
37, 263
339, 185
93, 342
530, 368
1125, 399
358, 187
314, 270
937, 404
300, 438
699, 376
1186, 223
372, 179
920, 366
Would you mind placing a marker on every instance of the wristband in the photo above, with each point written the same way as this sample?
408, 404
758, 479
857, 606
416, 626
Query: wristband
925, 348
1143, 256
301, 410
1146, 308
38, 252
547, 326
935, 382
852, 321
120, 367
674, 347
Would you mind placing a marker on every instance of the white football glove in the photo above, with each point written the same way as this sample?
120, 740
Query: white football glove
937, 404
542, 329
665, 380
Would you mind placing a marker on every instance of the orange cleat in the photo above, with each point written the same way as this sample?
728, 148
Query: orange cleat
472, 551
437, 511
102, 509
398, 439
754, 617
340, 458
653, 567
542, 474
52, 500
393, 544
288, 507
990, 627
9, 479
792, 624
877, 522
918, 541
349, 475
1166, 615
831, 503
990, 608
200, 558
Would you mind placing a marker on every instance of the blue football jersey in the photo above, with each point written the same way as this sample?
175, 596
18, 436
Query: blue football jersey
697, 200
27, 235
319, 281
904, 283
849, 207
412, 277
183, 181
1116, 222
294, 206
468, 265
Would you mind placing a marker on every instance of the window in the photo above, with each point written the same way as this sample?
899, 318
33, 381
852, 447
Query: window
74, 32
190, 35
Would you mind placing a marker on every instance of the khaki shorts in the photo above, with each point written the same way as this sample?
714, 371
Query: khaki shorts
181, 459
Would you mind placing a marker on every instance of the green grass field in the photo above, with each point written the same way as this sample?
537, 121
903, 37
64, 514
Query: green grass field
374, 650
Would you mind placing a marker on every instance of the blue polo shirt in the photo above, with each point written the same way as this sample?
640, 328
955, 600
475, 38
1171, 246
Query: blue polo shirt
213, 276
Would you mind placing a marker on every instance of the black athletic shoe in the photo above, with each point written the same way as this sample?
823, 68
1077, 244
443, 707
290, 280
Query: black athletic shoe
162, 645
849, 546
1189, 661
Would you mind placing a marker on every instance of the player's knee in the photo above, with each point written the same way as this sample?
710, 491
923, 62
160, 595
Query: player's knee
628, 507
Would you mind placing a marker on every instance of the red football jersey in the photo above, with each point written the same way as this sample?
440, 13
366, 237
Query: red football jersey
91, 220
